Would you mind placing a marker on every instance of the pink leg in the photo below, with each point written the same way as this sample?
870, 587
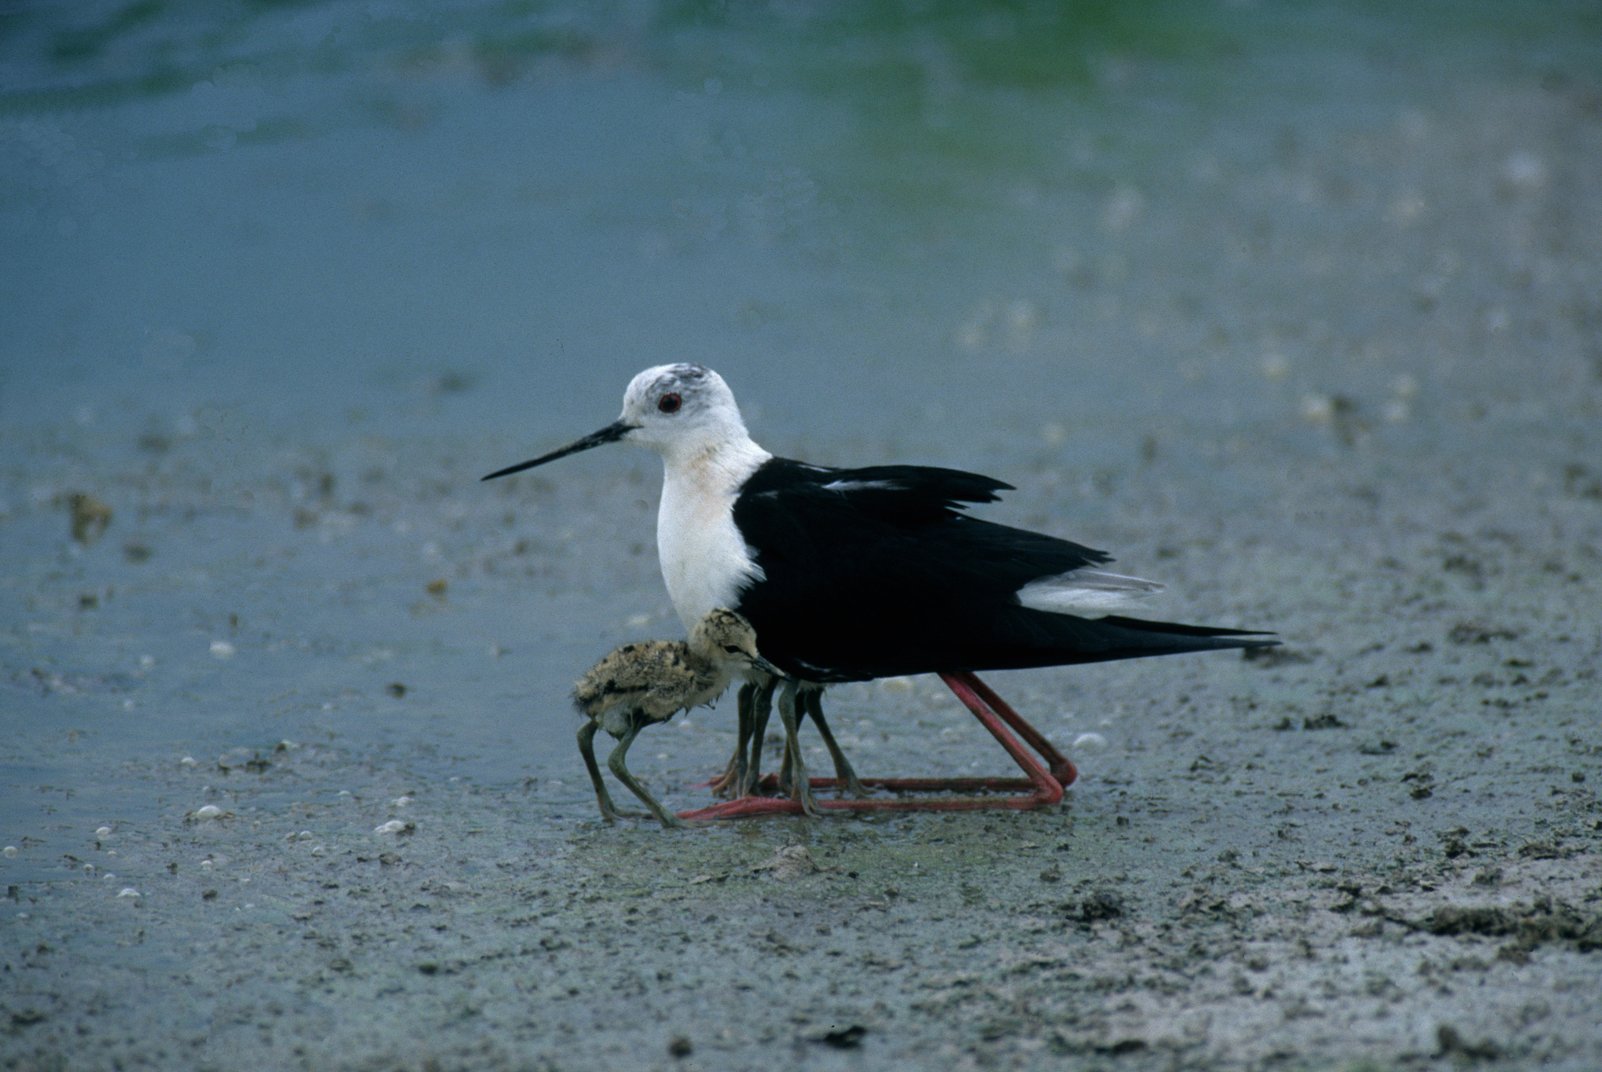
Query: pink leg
1059, 765
1062, 768
995, 715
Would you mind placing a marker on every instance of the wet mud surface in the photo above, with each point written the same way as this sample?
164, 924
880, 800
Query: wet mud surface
289, 771
1375, 847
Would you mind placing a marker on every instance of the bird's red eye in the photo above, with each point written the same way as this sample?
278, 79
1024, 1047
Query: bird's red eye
669, 403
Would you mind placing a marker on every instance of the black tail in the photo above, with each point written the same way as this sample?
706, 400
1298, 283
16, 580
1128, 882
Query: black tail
1041, 638
1176, 629
1127, 638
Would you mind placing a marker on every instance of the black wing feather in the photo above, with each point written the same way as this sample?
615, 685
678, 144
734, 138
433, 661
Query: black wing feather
896, 494
877, 571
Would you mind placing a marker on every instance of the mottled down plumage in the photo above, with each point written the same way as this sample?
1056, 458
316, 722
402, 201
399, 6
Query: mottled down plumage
647, 682
653, 680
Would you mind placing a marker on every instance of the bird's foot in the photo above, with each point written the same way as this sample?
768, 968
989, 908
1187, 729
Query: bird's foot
617, 814
801, 793
670, 821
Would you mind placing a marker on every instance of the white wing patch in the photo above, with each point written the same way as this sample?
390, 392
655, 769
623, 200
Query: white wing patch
1085, 591
844, 486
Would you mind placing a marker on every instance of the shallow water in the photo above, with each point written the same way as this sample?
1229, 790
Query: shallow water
484, 220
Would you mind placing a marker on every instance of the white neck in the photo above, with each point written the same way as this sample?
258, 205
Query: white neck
705, 563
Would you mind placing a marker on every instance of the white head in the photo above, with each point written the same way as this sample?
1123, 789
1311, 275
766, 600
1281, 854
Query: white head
681, 409
678, 410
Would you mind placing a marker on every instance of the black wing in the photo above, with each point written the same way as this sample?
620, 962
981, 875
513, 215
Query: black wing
904, 494
877, 571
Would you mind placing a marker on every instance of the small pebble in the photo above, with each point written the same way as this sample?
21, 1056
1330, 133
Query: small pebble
90, 517
9, 852
1087, 742
1318, 408
102, 831
221, 649
129, 892
394, 826
208, 811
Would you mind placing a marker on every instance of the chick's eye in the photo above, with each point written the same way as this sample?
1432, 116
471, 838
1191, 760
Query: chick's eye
732, 649
669, 403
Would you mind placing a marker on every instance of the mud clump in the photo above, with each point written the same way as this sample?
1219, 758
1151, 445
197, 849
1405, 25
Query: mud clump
1099, 906
1543, 922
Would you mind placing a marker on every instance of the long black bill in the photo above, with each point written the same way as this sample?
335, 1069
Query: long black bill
610, 434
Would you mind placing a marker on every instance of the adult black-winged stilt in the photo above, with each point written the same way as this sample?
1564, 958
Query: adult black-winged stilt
641, 684
853, 574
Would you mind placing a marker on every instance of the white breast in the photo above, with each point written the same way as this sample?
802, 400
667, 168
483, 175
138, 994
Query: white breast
704, 560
